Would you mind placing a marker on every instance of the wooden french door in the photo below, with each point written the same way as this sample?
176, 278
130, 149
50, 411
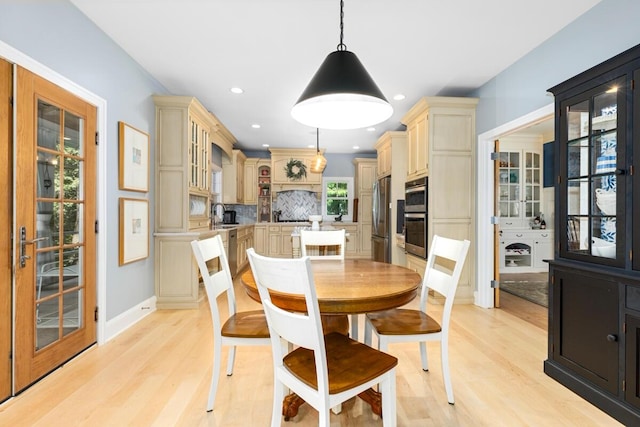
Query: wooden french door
496, 226
6, 158
54, 237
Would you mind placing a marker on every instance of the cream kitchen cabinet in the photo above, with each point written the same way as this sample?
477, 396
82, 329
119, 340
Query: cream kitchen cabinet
418, 145
383, 148
352, 247
185, 131
366, 174
281, 158
442, 138
365, 177
280, 241
260, 239
176, 274
251, 181
233, 178
244, 242
416, 264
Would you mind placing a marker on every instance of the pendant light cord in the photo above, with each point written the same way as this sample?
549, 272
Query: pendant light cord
317, 141
342, 46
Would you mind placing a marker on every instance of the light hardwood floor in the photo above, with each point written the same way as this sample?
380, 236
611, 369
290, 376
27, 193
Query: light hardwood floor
157, 374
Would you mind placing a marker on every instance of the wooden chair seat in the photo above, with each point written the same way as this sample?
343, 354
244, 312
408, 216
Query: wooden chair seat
350, 363
251, 324
403, 322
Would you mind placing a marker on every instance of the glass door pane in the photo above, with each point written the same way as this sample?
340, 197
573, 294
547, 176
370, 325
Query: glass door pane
591, 174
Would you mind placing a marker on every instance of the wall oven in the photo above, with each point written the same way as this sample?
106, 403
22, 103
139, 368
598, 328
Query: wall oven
415, 217
415, 234
415, 195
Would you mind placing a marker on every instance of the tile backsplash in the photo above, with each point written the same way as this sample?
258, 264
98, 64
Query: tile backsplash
297, 204
294, 204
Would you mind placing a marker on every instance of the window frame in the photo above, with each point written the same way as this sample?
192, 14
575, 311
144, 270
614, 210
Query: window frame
350, 196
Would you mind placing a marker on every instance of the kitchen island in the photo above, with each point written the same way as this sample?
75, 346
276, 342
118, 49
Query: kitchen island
282, 239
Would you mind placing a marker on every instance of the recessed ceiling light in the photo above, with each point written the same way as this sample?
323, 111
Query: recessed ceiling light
399, 97
311, 146
356, 147
255, 126
236, 90
265, 145
371, 129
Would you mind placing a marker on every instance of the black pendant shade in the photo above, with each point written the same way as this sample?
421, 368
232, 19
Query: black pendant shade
341, 95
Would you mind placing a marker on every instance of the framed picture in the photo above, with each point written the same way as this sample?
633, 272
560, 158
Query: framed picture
134, 158
134, 230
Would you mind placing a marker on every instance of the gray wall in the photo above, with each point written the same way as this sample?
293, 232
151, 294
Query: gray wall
609, 28
57, 35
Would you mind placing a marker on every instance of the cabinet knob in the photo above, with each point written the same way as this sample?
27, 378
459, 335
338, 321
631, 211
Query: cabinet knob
612, 338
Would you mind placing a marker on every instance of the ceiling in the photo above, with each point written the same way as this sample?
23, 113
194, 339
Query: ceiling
271, 49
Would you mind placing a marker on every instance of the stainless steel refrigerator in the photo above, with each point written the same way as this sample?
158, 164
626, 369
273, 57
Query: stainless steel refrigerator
381, 233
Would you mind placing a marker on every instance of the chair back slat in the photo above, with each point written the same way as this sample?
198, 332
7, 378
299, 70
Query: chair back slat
444, 266
218, 281
333, 238
292, 276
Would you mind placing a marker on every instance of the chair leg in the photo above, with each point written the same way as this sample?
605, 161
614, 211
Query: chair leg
354, 327
388, 391
446, 374
230, 360
278, 397
324, 417
423, 356
215, 375
367, 332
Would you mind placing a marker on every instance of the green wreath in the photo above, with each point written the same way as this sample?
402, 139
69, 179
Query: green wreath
295, 169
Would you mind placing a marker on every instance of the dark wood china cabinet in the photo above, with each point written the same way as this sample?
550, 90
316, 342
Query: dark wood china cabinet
594, 294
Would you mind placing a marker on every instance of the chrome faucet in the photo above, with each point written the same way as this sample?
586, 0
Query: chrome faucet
213, 212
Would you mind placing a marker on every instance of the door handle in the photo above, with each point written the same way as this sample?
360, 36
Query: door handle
23, 245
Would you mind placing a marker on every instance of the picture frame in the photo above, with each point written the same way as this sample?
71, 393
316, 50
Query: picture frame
134, 230
133, 158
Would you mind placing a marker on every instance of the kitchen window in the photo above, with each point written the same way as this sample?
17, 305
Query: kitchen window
337, 198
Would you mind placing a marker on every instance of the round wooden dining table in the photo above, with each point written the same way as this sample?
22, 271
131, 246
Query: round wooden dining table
343, 287
350, 286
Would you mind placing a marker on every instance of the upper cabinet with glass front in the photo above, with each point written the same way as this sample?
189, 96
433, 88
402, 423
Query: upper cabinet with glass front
596, 113
593, 172
520, 181
185, 131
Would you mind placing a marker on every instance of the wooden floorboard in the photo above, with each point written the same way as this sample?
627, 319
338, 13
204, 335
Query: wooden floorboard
157, 374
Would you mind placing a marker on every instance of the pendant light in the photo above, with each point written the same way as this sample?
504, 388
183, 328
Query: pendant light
342, 94
319, 162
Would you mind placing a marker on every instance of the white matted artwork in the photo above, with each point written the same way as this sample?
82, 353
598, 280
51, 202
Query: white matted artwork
134, 230
134, 158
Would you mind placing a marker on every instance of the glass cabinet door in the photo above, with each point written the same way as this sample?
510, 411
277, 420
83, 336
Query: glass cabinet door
520, 181
592, 188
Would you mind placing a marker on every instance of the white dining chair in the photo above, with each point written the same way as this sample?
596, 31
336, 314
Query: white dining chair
318, 242
240, 328
321, 241
324, 370
442, 274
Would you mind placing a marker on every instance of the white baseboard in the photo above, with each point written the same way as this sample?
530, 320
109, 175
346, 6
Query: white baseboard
127, 319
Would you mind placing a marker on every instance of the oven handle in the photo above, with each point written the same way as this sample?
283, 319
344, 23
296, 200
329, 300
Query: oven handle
414, 215
415, 189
